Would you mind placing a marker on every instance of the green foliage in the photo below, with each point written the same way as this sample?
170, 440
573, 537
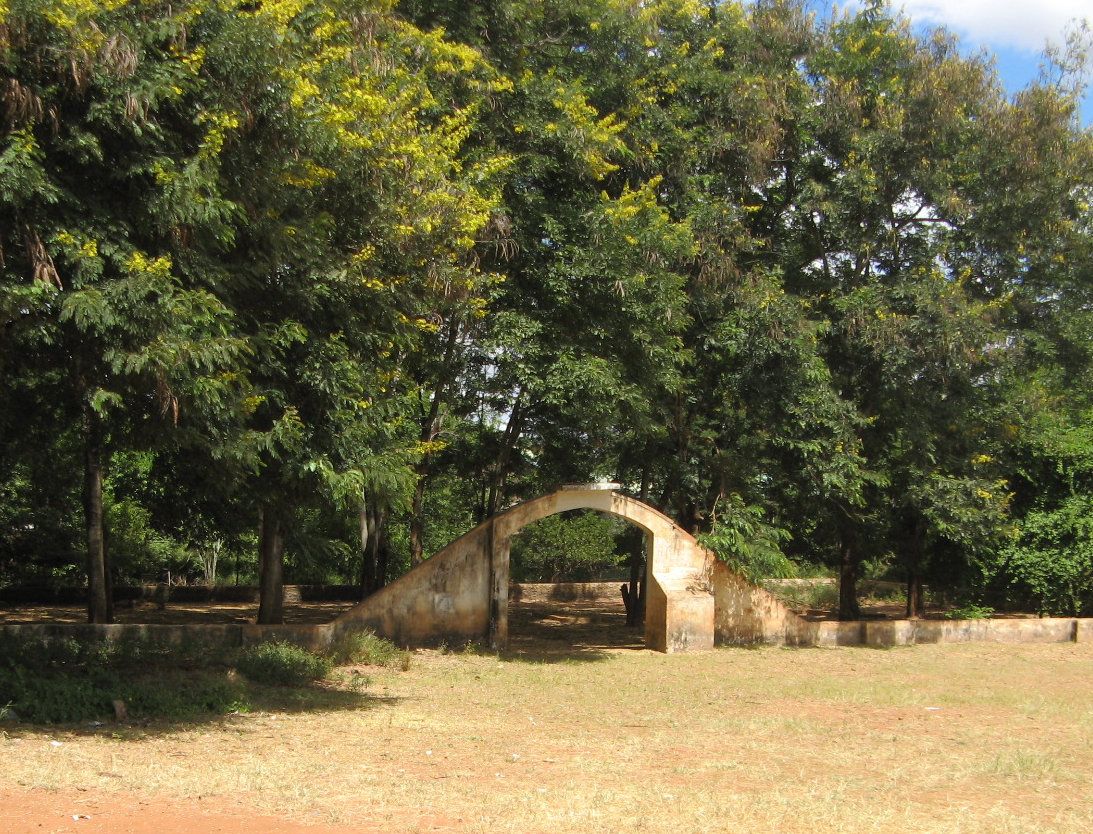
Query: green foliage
818, 290
971, 611
562, 547
282, 664
65, 681
1051, 563
364, 647
814, 596
743, 539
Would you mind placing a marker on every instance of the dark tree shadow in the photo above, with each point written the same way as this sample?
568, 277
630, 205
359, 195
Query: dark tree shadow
573, 631
251, 699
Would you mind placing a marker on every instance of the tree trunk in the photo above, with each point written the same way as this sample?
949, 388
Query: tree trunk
99, 609
417, 519
633, 593
916, 602
374, 554
916, 606
368, 564
430, 430
849, 609
508, 442
271, 567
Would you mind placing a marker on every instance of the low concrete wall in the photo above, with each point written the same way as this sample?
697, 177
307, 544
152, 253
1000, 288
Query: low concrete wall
888, 633
43, 595
565, 591
218, 636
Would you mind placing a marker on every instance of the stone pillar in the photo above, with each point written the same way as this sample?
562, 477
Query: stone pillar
499, 546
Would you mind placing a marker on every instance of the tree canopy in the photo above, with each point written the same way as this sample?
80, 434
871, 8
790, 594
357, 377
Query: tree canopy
319, 284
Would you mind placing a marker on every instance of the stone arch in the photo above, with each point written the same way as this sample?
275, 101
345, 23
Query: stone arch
461, 593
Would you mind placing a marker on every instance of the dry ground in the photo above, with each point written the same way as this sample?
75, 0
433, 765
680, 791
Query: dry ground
573, 731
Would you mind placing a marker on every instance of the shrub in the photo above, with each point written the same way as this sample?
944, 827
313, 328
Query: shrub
284, 664
971, 611
369, 649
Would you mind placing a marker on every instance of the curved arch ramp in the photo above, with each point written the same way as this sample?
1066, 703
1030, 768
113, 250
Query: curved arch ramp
461, 593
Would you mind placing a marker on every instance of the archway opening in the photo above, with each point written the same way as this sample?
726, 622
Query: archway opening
577, 586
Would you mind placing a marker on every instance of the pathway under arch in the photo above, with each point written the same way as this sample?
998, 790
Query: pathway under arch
692, 600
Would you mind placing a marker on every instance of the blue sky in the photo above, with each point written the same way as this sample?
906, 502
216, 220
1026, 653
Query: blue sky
1014, 30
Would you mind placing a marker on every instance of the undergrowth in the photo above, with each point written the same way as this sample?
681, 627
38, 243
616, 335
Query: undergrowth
67, 681
283, 664
366, 648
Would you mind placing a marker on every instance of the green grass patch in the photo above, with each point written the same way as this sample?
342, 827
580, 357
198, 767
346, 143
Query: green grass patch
68, 681
283, 664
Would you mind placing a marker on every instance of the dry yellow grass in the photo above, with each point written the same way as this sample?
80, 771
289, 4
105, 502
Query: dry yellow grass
952, 738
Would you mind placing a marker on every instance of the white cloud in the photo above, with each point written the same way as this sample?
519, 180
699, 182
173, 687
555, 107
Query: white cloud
1024, 24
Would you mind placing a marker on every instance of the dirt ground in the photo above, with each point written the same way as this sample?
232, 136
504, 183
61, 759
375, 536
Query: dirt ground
578, 729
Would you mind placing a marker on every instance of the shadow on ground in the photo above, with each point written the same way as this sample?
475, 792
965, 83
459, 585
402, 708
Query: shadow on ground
224, 706
548, 631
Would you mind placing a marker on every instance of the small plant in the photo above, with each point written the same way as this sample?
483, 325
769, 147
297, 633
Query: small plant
366, 648
283, 664
971, 611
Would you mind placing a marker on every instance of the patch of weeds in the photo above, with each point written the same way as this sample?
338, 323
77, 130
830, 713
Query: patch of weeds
807, 595
971, 611
1024, 764
83, 695
66, 680
282, 664
366, 648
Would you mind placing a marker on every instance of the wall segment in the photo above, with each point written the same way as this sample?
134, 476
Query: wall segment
461, 593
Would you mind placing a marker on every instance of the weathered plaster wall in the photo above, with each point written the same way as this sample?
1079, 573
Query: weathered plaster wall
442, 599
745, 613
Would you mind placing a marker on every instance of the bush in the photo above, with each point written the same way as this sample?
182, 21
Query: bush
971, 611
1051, 563
367, 648
283, 664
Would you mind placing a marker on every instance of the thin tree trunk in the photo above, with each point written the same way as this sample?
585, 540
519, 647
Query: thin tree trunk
849, 609
430, 429
383, 551
368, 564
271, 567
508, 443
99, 609
373, 548
417, 516
916, 602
